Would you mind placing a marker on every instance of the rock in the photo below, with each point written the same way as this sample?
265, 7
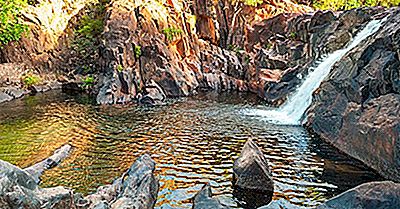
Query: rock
154, 95
356, 109
250, 170
372, 195
59, 155
4, 97
204, 200
137, 188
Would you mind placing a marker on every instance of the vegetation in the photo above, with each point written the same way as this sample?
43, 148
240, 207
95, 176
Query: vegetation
351, 4
88, 81
120, 68
138, 51
293, 35
30, 80
171, 32
253, 3
11, 26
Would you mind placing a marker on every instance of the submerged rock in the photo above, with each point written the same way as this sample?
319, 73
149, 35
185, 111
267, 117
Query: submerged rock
204, 200
250, 170
373, 195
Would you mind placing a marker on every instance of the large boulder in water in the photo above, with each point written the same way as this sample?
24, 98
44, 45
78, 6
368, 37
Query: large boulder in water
204, 200
373, 195
252, 181
356, 108
250, 170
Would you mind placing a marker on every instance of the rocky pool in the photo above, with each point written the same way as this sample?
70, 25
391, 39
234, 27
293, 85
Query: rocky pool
193, 141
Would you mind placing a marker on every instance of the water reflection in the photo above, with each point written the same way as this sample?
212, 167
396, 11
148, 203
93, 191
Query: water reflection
193, 141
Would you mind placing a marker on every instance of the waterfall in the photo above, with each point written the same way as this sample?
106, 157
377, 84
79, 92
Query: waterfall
292, 111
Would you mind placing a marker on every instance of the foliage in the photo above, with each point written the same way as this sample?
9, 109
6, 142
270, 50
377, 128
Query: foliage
30, 80
90, 27
138, 51
88, 81
170, 33
293, 35
11, 26
253, 3
351, 4
120, 68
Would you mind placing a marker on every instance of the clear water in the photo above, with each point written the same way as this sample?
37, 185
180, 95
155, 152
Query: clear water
292, 112
193, 140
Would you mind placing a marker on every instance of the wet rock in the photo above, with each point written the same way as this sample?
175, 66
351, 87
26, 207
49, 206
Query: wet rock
204, 200
154, 94
356, 107
59, 155
250, 170
373, 195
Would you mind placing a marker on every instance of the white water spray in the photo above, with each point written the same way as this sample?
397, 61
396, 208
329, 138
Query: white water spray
292, 111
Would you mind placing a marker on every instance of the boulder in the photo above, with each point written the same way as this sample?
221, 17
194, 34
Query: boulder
372, 195
204, 200
250, 170
137, 188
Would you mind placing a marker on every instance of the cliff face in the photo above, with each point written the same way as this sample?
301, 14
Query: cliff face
357, 107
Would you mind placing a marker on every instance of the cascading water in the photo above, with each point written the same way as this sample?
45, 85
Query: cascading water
292, 111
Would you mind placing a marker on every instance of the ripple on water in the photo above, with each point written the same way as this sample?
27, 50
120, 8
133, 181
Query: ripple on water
193, 140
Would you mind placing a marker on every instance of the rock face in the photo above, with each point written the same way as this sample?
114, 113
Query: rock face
250, 170
137, 188
154, 94
356, 108
373, 195
204, 200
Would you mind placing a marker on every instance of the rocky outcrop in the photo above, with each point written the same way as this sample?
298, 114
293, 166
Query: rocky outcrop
204, 200
252, 178
356, 108
288, 45
373, 195
137, 188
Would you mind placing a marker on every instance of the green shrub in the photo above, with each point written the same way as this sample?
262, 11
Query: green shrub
11, 26
138, 51
120, 68
30, 80
293, 35
88, 81
170, 33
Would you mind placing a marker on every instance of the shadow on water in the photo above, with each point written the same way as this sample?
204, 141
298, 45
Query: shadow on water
193, 141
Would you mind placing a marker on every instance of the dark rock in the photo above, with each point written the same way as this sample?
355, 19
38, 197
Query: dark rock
373, 195
154, 94
357, 108
204, 200
250, 170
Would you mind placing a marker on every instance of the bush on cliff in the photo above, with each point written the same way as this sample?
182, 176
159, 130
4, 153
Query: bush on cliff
351, 4
11, 27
